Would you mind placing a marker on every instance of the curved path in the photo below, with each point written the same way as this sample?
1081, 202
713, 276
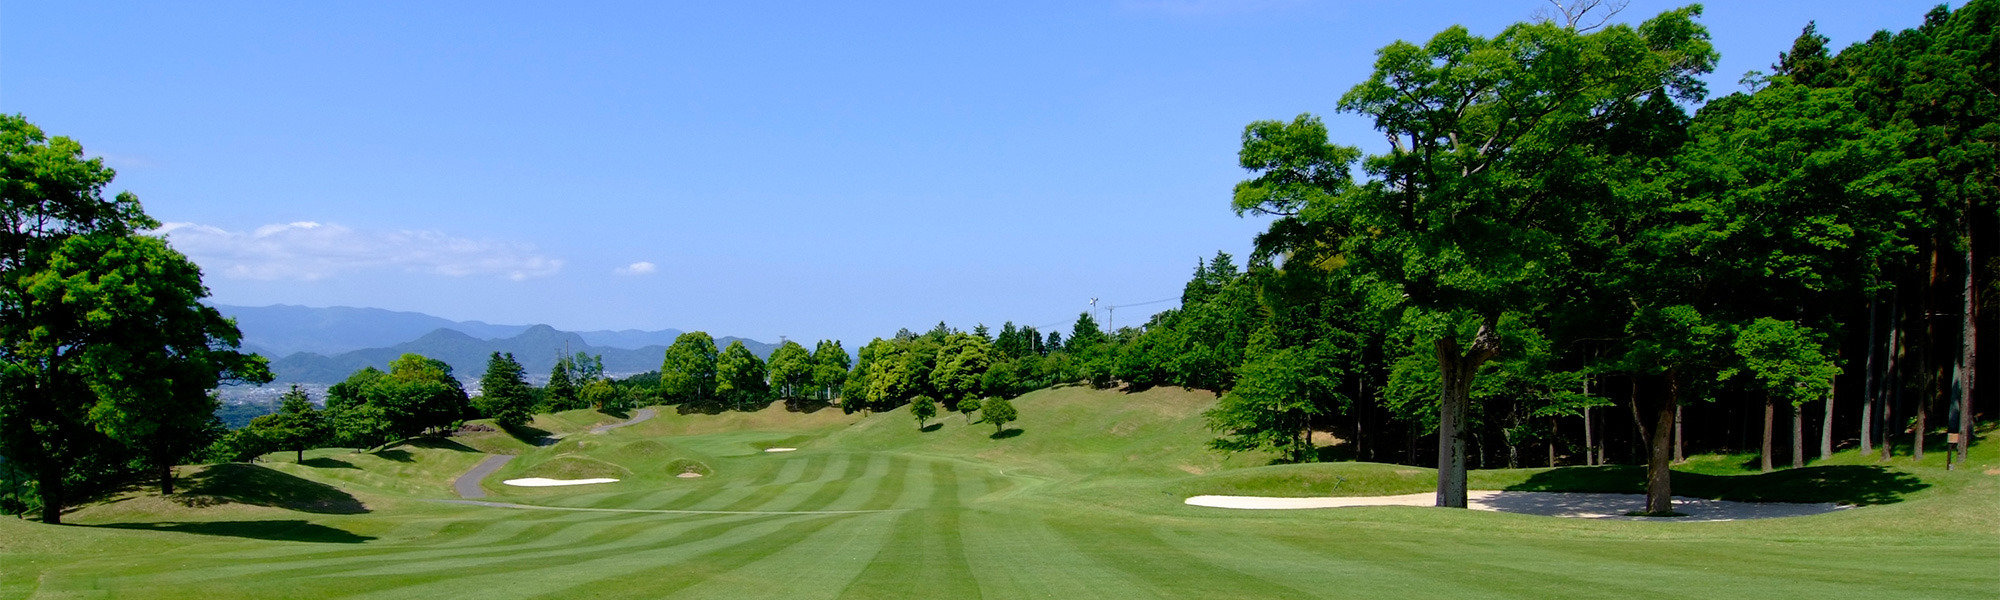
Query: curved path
468, 484
637, 417
1551, 504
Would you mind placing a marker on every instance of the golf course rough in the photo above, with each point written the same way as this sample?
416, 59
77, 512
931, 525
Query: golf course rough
1065, 509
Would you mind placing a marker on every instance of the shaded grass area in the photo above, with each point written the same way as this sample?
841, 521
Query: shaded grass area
285, 530
260, 486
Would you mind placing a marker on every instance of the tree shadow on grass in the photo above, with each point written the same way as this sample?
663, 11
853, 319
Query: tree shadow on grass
1858, 485
806, 405
328, 463
435, 443
528, 434
396, 454
1011, 432
253, 484
615, 413
931, 427
283, 530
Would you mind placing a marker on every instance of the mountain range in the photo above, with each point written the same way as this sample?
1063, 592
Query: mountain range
325, 345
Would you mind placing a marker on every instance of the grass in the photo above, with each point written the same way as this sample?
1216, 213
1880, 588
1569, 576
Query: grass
1084, 502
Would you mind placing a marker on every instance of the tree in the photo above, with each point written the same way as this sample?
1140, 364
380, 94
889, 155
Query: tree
830, 368
296, 426
105, 340
740, 376
504, 393
792, 370
1460, 214
688, 373
417, 395
355, 421
1273, 406
923, 408
999, 412
961, 363
600, 394
560, 393
1786, 361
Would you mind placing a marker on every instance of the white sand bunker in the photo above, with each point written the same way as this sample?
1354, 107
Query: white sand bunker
546, 482
689, 475
781, 449
1551, 504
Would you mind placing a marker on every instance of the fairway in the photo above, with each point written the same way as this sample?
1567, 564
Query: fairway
1086, 501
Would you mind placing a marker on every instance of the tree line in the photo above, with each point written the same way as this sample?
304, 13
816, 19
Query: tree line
1569, 246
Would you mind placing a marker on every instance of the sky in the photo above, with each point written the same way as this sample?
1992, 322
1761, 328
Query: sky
805, 170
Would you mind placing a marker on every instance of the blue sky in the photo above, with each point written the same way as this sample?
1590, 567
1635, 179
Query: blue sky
755, 169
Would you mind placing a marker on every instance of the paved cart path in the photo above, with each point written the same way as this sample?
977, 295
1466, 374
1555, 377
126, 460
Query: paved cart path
468, 484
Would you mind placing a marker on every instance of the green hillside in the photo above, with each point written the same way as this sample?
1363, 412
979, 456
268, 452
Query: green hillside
1080, 498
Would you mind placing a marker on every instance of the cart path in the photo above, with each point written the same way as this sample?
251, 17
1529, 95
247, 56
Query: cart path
637, 417
468, 484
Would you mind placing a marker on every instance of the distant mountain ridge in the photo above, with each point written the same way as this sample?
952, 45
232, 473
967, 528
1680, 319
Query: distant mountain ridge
325, 345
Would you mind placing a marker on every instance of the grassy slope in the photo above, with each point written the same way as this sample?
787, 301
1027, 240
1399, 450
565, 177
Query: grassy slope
1083, 502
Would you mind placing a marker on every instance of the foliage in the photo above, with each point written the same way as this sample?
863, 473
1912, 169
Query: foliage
999, 412
923, 409
689, 371
741, 377
504, 394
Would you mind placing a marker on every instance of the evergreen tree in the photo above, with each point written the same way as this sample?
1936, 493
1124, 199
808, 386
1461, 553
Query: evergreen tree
504, 393
560, 393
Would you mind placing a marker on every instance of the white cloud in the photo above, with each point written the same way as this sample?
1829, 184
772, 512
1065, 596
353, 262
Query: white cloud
637, 268
308, 251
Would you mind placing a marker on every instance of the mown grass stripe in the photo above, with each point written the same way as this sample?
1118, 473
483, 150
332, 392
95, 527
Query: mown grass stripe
523, 574
633, 572
799, 562
1019, 556
1162, 568
832, 482
795, 471
925, 556
862, 490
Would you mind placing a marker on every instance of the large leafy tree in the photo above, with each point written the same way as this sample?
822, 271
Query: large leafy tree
688, 372
105, 341
961, 366
791, 370
1461, 213
740, 376
830, 368
1788, 366
418, 395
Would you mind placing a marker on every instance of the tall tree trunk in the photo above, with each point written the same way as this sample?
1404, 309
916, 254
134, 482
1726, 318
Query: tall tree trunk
1826, 421
49, 485
1659, 473
166, 479
1680, 449
1968, 346
1770, 407
1798, 436
1892, 377
1589, 443
1868, 388
1552, 442
1456, 368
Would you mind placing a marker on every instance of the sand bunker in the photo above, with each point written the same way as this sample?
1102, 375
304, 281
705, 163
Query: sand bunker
1552, 504
546, 482
688, 475
781, 449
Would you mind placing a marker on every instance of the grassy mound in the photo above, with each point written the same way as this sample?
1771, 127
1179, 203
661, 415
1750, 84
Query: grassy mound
575, 467
683, 465
1313, 479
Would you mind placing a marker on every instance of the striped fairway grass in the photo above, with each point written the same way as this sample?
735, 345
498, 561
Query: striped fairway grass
1084, 503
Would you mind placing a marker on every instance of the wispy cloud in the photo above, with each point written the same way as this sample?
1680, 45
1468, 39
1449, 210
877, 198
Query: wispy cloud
307, 251
637, 268
1188, 8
